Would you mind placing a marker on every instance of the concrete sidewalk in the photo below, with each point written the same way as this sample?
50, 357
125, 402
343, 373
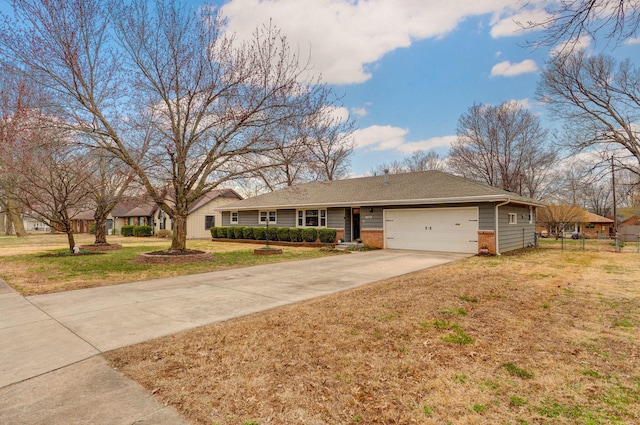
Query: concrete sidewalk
50, 371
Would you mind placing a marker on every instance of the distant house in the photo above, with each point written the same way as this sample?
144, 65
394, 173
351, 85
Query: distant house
202, 214
630, 229
428, 210
82, 221
591, 225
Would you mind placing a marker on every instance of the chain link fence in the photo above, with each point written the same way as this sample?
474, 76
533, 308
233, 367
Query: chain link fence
617, 243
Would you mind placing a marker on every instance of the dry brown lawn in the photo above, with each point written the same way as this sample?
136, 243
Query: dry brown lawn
542, 337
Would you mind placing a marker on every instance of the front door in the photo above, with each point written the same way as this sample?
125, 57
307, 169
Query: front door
355, 223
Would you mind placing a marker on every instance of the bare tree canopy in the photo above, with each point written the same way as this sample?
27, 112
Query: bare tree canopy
599, 99
504, 146
555, 217
569, 21
419, 160
159, 86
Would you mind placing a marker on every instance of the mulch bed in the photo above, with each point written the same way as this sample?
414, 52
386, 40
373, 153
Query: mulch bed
173, 257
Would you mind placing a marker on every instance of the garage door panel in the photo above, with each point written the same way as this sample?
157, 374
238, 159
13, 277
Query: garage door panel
440, 229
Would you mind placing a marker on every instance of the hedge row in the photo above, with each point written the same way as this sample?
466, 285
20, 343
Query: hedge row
285, 234
137, 231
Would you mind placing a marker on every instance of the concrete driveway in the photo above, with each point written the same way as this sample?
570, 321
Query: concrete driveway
50, 342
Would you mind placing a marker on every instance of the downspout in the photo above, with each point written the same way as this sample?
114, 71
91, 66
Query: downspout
496, 230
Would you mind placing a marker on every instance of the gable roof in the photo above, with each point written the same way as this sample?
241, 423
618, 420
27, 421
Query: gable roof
424, 187
589, 217
631, 221
210, 196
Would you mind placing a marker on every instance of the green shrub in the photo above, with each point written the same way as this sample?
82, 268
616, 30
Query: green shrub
231, 232
238, 232
221, 232
283, 234
92, 228
309, 235
272, 233
247, 233
327, 235
166, 233
143, 231
295, 235
259, 233
127, 230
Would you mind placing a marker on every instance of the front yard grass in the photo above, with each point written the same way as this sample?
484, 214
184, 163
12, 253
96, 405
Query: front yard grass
23, 266
554, 339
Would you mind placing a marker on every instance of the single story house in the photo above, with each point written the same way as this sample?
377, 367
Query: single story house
591, 225
629, 229
428, 210
202, 213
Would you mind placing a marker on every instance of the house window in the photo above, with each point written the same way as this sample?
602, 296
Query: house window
513, 218
209, 222
234, 217
162, 219
590, 226
312, 218
530, 215
271, 215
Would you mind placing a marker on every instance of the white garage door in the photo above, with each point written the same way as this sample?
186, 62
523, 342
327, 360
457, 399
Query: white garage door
434, 229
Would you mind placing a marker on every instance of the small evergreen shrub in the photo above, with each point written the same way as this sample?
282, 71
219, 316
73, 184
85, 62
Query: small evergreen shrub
142, 231
283, 234
273, 233
238, 232
127, 230
221, 232
247, 233
166, 233
309, 235
231, 232
92, 228
295, 235
327, 235
259, 233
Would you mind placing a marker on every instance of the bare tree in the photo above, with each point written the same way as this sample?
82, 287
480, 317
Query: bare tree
504, 146
212, 105
18, 100
555, 217
599, 99
419, 160
51, 176
568, 21
109, 181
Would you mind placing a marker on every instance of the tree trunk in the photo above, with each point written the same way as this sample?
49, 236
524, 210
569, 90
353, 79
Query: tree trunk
72, 242
3, 217
14, 216
179, 241
101, 229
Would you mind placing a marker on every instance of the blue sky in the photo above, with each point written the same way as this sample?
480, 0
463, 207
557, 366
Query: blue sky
409, 68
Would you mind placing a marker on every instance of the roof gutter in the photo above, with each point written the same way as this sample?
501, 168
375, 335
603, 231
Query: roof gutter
496, 230
383, 202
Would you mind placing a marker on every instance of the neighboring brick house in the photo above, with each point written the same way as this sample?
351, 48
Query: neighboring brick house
428, 210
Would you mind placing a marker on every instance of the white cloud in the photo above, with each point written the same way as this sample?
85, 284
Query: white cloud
360, 112
632, 41
345, 37
383, 138
508, 69
514, 24
573, 45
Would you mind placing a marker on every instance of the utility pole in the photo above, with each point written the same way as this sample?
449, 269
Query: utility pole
615, 207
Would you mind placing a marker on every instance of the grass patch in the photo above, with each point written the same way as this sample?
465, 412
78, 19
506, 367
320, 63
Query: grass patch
517, 371
453, 312
281, 366
44, 268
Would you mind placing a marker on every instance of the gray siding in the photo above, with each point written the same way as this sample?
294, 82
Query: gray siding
486, 213
515, 236
336, 218
371, 220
